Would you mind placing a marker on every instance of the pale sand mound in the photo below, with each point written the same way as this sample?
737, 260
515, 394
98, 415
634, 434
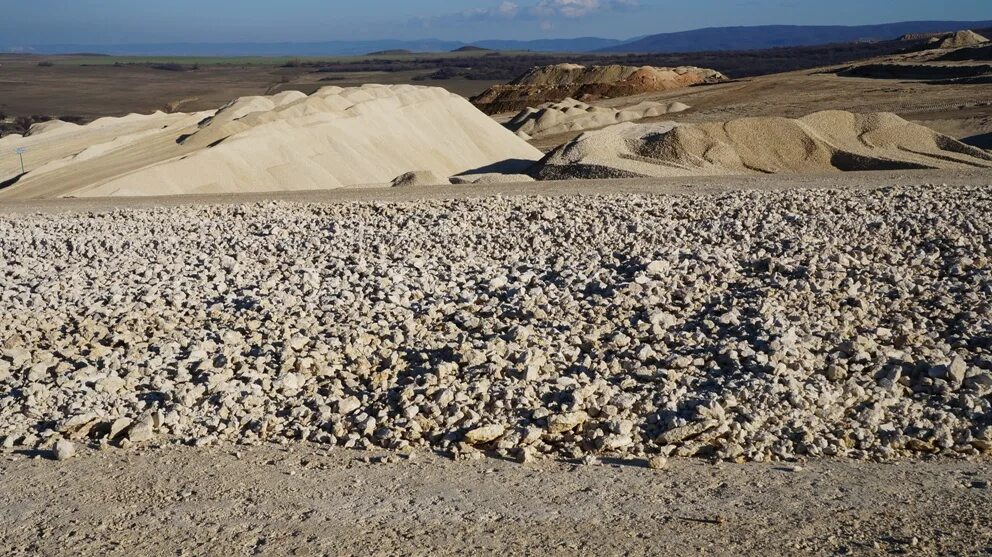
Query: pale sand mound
821, 142
333, 138
571, 115
958, 40
64, 153
562, 81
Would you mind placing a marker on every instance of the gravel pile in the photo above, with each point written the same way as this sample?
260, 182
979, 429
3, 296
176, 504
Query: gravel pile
821, 142
571, 115
741, 326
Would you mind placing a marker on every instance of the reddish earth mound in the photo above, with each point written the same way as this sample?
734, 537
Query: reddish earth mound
555, 83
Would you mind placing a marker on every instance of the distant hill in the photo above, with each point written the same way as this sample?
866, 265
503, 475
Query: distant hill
581, 44
328, 48
471, 48
772, 36
393, 52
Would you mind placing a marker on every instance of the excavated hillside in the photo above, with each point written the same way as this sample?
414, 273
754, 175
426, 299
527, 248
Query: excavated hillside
951, 58
548, 84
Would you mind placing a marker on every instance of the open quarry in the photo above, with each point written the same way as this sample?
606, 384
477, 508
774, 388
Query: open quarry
643, 310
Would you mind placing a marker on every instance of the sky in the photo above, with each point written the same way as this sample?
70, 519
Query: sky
41, 22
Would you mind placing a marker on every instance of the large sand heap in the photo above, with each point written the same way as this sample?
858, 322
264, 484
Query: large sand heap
821, 142
558, 82
571, 115
333, 138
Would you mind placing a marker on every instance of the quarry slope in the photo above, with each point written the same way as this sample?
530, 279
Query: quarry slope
544, 84
333, 138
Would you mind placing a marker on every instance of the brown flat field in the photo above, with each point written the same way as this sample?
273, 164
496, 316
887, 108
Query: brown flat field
92, 87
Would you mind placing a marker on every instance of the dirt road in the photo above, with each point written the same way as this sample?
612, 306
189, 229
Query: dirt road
306, 500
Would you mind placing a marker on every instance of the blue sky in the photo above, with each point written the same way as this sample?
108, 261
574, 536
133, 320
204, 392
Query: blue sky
130, 21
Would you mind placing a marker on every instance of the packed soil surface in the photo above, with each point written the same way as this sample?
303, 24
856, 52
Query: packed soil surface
682, 185
304, 499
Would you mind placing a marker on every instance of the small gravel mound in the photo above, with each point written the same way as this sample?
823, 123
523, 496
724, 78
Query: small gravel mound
571, 115
828, 141
418, 178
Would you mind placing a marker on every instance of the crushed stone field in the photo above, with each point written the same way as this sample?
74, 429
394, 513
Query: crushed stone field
740, 326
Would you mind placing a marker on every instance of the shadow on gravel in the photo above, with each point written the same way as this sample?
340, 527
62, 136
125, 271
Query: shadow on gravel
35, 453
509, 166
982, 141
631, 462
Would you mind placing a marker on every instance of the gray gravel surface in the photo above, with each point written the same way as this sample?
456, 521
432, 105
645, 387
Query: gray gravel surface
744, 325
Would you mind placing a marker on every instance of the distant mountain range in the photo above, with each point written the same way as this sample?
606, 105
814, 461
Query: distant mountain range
771, 36
328, 48
699, 40
582, 44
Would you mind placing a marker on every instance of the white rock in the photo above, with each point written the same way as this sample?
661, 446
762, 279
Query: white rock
64, 449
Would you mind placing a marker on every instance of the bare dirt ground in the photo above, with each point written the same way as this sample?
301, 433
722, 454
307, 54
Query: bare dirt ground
93, 91
689, 185
71, 87
308, 500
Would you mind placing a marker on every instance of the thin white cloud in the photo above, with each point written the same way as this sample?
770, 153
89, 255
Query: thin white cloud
566, 8
543, 10
508, 9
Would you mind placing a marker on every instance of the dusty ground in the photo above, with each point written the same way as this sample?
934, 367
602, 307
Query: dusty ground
691, 185
306, 500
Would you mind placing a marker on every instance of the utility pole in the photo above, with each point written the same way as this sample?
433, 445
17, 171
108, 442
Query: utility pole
20, 153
